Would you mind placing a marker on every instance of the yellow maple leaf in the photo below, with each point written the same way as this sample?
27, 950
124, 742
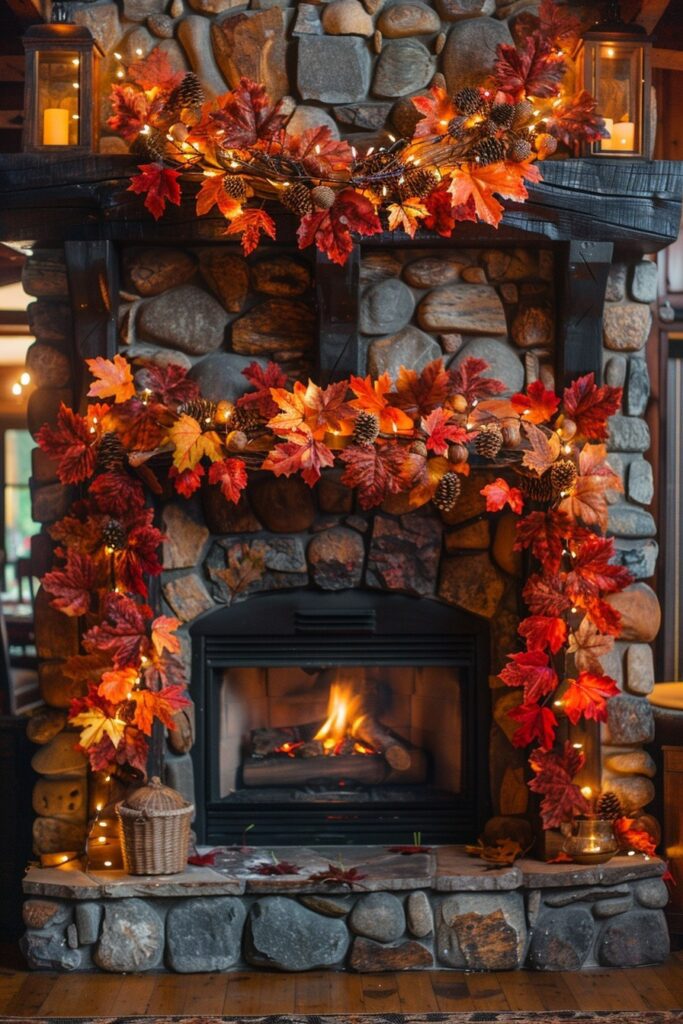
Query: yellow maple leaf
113, 378
95, 725
191, 445
406, 215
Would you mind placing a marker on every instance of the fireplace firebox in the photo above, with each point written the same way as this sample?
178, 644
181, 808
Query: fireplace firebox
340, 718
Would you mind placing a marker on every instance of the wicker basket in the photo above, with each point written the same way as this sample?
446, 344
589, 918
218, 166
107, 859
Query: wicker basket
155, 830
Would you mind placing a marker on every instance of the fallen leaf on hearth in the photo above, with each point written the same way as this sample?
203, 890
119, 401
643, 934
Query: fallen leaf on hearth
338, 875
545, 448
500, 854
276, 867
204, 859
410, 849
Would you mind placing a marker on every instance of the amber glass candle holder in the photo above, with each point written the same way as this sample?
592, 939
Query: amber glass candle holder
592, 841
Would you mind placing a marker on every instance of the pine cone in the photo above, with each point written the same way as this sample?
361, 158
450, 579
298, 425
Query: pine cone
201, 410
502, 114
111, 454
489, 441
447, 492
563, 475
418, 448
113, 535
469, 101
189, 93
524, 111
418, 182
519, 150
246, 420
297, 199
366, 428
235, 187
609, 807
456, 127
323, 197
489, 151
149, 146
537, 488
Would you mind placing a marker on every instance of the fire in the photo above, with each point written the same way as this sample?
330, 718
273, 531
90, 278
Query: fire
344, 713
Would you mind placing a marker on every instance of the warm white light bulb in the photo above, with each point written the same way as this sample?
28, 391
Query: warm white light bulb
25, 379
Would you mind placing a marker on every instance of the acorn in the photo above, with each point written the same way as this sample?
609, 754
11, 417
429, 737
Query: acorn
524, 111
459, 403
512, 437
568, 428
447, 492
458, 453
323, 197
418, 448
237, 440
225, 410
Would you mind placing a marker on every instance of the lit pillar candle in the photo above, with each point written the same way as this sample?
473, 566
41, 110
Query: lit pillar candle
608, 143
623, 135
55, 127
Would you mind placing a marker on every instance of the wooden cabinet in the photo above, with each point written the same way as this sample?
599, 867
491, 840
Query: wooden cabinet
673, 831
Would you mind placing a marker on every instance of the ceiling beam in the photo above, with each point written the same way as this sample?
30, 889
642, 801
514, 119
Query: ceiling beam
651, 12
12, 67
28, 12
668, 60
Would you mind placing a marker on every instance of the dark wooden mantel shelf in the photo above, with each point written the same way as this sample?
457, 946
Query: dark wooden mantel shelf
636, 205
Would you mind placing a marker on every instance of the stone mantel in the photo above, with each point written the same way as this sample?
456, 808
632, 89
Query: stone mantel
635, 205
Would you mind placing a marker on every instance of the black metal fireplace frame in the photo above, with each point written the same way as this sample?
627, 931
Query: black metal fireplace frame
310, 629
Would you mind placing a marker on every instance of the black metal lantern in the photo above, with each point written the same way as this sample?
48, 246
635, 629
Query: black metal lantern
61, 91
616, 70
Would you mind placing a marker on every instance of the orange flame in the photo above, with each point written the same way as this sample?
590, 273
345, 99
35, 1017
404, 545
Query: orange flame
344, 710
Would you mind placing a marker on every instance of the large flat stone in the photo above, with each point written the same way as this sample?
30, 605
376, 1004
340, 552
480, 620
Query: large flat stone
404, 555
410, 347
185, 318
220, 376
253, 47
640, 612
470, 308
132, 937
633, 791
204, 934
368, 956
227, 275
49, 952
333, 69
187, 596
472, 582
482, 932
638, 937
283, 935
561, 940
628, 434
336, 558
434, 271
276, 325
470, 51
405, 66
152, 271
629, 720
630, 521
185, 539
385, 307
502, 360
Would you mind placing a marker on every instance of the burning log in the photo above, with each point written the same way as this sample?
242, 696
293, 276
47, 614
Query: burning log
395, 752
368, 769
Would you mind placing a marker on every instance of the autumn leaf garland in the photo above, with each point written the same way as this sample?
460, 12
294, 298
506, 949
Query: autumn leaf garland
426, 426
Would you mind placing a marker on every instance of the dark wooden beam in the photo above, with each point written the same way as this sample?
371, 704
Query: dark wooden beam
581, 296
651, 12
668, 60
337, 299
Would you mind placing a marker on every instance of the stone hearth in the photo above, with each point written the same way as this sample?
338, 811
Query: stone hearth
426, 911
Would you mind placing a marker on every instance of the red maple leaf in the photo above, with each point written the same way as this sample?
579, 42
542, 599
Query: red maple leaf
576, 120
72, 587
441, 430
231, 474
587, 697
131, 111
603, 616
592, 573
498, 494
319, 153
117, 494
247, 117
140, 555
533, 671
531, 69
538, 405
301, 453
158, 184
188, 481
631, 838
591, 406
420, 393
442, 217
536, 724
337, 875
546, 534
545, 594
376, 470
155, 71
251, 224
469, 380
437, 109
123, 631
263, 379
140, 426
277, 867
330, 230
71, 445
169, 383
554, 772
212, 193
543, 631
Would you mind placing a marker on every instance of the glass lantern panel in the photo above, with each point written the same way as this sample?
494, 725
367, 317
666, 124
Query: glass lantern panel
618, 85
58, 97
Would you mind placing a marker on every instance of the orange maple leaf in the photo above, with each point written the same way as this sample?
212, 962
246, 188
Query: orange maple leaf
116, 685
310, 407
371, 396
191, 445
407, 215
545, 447
112, 378
482, 184
212, 193
163, 638
587, 500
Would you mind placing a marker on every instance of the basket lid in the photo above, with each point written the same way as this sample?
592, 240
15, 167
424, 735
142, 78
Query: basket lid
155, 797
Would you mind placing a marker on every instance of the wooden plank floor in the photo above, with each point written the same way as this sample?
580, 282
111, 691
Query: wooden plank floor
26, 994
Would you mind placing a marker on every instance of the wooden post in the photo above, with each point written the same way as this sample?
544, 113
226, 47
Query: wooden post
337, 298
579, 309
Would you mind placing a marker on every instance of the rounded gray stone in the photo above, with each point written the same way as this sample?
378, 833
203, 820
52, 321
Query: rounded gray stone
630, 521
470, 51
561, 940
333, 69
629, 720
503, 361
628, 434
386, 307
186, 318
637, 387
638, 556
204, 934
379, 915
631, 762
640, 611
634, 791
615, 371
405, 66
284, 935
47, 951
644, 281
634, 939
88, 920
132, 937
640, 486
419, 915
651, 893
616, 283
640, 670
410, 347
220, 376
610, 908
